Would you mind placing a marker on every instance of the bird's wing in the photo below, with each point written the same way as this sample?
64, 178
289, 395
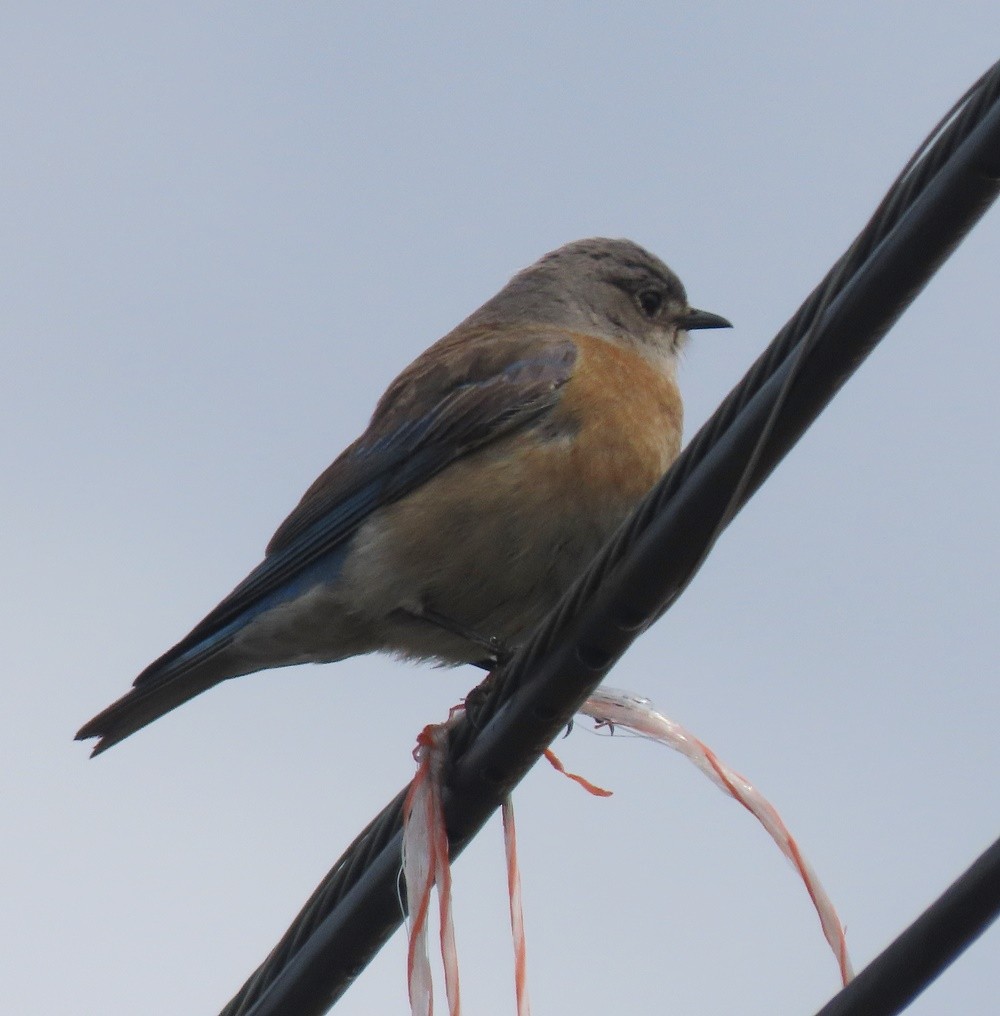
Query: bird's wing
472, 388
457, 397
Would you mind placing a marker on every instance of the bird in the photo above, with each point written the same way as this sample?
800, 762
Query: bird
492, 471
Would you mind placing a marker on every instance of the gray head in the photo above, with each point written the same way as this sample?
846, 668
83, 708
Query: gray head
611, 288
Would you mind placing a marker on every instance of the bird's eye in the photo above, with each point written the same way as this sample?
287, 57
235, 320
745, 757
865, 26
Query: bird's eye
650, 302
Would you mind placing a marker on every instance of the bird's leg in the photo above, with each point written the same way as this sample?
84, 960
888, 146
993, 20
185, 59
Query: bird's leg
496, 651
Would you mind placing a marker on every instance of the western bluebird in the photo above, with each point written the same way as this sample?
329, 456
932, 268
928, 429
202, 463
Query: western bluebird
492, 471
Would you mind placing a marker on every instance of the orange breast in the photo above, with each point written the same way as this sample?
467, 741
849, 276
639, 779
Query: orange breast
498, 536
629, 415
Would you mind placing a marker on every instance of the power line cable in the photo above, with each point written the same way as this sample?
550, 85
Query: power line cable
944, 189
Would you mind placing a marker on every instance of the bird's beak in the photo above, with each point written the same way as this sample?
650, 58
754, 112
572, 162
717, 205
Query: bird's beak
702, 319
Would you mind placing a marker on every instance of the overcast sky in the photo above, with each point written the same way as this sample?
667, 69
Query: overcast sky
225, 228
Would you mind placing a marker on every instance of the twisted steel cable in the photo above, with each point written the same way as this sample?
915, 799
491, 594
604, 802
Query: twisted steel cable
941, 192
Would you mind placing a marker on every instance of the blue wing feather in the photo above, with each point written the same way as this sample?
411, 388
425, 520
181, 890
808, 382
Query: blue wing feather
428, 418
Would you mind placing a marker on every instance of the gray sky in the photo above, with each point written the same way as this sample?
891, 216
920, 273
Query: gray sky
225, 228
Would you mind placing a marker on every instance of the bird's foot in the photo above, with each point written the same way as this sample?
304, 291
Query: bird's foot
497, 653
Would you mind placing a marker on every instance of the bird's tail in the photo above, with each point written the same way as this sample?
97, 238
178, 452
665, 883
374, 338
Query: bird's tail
210, 653
164, 685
